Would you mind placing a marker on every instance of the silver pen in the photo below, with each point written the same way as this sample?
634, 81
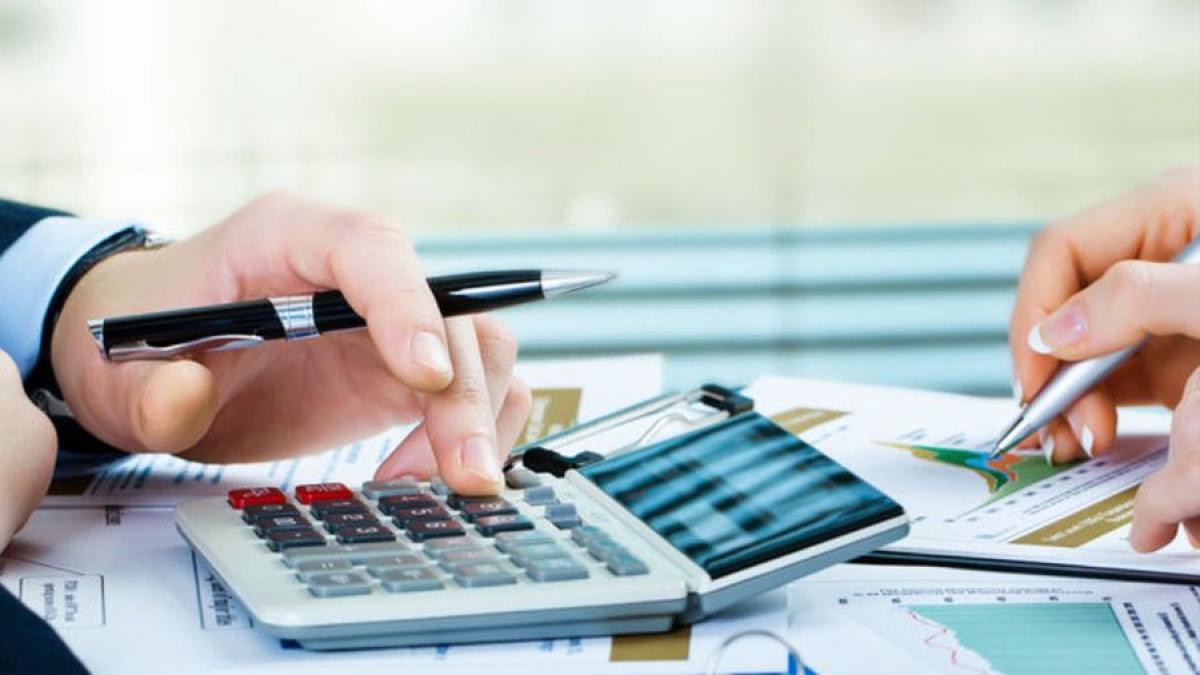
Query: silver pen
1073, 380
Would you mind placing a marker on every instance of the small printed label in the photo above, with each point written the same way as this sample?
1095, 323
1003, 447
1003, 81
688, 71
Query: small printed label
66, 601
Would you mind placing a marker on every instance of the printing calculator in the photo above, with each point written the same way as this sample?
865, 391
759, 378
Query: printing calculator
662, 532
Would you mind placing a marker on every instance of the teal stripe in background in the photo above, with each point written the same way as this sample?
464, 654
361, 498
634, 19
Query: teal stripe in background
909, 305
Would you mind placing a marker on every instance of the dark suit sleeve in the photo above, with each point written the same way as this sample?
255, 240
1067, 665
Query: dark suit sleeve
16, 218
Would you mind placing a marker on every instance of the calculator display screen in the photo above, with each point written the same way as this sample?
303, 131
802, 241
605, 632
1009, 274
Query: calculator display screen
739, 493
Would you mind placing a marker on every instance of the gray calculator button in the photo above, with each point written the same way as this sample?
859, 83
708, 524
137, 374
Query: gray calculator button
455, 559
527, 553
505, 541
409, 579
484, 574
442, 554
555, 569
337, 584
377, 566
438, 547
539, 496
357, 554
520, 478
602, 548
625, 564
585, 534
407, 485
563, 516
306, 570
438, 487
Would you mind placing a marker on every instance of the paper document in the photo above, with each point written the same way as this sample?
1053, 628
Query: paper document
128, 596
949, 621
926, 450
564, 392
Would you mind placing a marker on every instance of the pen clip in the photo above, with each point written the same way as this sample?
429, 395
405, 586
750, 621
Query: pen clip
143, 351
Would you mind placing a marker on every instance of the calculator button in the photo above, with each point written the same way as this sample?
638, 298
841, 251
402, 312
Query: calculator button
490, 525
335, 520
393, 503
625, 564
491, 507
438, 486
434, 529
403, 517
306, 570
452, 560
323, 510
255, 511
240, 499
320, 492
520, 478
585, 534
338, 584
523, 555
267, 524
406, 485
483, 574
356, 553
555, 569
507, 541
278, 541
563, 516
359, 534
539, 496
438, 547
456, 501
406, 580
601, 548
377, 566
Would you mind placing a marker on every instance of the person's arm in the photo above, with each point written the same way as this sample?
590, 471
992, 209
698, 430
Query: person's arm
1100, 281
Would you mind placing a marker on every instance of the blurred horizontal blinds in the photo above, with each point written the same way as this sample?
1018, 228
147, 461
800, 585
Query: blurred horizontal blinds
923, 306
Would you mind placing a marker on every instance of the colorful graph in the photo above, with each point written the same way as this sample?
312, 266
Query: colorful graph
1004, 475
1036, 637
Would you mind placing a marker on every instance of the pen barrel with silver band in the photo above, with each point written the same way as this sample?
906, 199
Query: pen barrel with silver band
169, 334
1074, 380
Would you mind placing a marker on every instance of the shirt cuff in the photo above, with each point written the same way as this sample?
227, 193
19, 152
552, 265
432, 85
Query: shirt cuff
30, 273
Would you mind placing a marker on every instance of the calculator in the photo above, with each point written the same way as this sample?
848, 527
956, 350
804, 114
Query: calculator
639, 542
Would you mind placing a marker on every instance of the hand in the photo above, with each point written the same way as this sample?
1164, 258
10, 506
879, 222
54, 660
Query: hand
27, 449
280, 399
1097, 282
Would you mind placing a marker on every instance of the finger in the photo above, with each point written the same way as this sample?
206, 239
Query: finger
171, 406
1058, 443
1191, 526
373, 263
514, 413
1154, 521
1093, 421
1132, 299
459, 420
1172, 494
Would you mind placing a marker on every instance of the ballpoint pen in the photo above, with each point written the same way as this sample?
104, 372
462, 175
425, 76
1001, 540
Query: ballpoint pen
166, 335
1073, 381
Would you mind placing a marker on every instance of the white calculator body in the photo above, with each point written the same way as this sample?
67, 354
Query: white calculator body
638, 543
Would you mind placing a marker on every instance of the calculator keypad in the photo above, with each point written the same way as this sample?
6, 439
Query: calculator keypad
405, 536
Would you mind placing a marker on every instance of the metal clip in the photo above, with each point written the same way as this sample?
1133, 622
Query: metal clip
142, 351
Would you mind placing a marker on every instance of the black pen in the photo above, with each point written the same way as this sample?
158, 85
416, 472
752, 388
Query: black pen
166, 335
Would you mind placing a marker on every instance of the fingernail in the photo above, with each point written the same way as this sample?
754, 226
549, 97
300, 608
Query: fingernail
480, 458
1062, 328
429, 351
1017, 393
1087, 440
1047, 441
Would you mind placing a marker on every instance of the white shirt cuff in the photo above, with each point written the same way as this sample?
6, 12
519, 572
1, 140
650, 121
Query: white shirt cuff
30, 273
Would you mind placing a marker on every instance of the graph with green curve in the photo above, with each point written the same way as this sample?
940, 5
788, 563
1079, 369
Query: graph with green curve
1004, 475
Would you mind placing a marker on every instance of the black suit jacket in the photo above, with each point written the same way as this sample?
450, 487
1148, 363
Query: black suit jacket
27, 644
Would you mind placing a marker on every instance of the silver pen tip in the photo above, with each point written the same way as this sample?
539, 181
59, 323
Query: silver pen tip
560, 282
1011, 437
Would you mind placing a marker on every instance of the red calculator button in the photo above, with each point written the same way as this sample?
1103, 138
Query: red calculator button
320, 492
240, 499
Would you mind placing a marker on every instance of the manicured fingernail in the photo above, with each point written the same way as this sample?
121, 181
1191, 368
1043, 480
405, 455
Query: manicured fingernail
1062, 328
429, 351
1087, 440
1047, 441
1017, 393
480, 458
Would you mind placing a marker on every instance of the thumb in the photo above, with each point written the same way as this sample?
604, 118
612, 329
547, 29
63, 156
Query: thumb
170, 405
1132, 300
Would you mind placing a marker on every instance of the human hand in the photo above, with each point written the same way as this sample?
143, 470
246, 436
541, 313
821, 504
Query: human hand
282, 399
1095, 283
27, 449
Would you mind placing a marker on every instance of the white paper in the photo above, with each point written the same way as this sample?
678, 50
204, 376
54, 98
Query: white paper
165, 480
924, 450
